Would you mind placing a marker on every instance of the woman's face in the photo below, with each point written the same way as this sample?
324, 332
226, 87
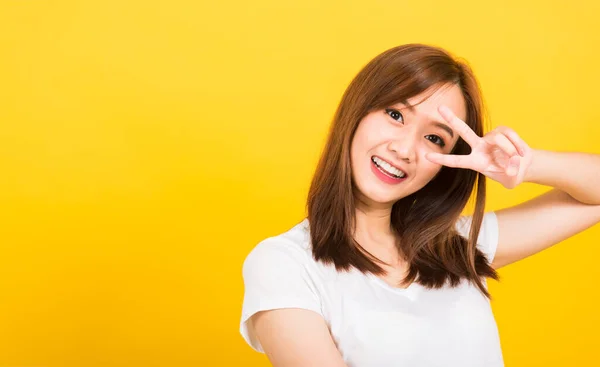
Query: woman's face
391, 143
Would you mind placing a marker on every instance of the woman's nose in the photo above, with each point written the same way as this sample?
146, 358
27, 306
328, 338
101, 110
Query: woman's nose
404, 147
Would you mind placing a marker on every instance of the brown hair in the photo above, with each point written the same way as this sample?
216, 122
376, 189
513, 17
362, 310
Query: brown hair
425, 220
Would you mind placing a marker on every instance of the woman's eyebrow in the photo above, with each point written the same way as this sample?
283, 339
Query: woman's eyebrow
444, 127
439, 124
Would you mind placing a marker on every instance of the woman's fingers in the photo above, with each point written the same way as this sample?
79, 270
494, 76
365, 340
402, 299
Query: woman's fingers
504, 146
513, 166
460, 127
515, 139
502, 142
451, 160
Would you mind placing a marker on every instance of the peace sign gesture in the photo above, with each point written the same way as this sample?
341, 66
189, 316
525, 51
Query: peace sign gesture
500, 154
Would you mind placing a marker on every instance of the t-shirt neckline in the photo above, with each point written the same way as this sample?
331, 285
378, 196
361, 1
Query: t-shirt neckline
411, 291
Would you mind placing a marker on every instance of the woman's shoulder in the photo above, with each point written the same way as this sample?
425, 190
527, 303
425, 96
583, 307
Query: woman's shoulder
290, 246
487, 241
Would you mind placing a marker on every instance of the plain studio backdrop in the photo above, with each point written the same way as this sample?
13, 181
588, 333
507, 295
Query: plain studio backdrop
147, 146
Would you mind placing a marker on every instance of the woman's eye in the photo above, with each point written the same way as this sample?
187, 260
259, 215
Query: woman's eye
436, 140
395, 114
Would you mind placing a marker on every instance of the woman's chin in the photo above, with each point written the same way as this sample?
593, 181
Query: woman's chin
379, 199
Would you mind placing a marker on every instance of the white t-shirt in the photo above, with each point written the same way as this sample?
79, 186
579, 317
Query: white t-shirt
373, 323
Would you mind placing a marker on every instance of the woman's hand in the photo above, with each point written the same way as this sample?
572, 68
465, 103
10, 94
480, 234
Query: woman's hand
500, 155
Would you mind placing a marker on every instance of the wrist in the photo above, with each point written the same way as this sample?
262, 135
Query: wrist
533, 169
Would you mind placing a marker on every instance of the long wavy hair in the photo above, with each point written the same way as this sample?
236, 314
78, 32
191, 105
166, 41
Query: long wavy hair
424, 222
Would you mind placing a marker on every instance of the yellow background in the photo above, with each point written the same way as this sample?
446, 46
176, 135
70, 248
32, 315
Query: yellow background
146, 147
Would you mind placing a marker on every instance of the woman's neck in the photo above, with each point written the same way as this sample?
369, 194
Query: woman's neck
373, 232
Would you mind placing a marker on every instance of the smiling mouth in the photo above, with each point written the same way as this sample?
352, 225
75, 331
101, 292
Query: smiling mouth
387, 168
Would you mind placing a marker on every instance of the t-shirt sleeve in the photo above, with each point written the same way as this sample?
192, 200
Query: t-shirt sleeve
276, 275
487, 241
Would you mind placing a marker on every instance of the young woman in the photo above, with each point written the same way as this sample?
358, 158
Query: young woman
385, 271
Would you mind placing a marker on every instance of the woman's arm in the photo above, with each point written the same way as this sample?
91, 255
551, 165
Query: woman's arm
573, 205
577, 174
535, 225
294, 337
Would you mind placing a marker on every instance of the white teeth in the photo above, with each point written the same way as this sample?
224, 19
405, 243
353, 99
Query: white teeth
388, 168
